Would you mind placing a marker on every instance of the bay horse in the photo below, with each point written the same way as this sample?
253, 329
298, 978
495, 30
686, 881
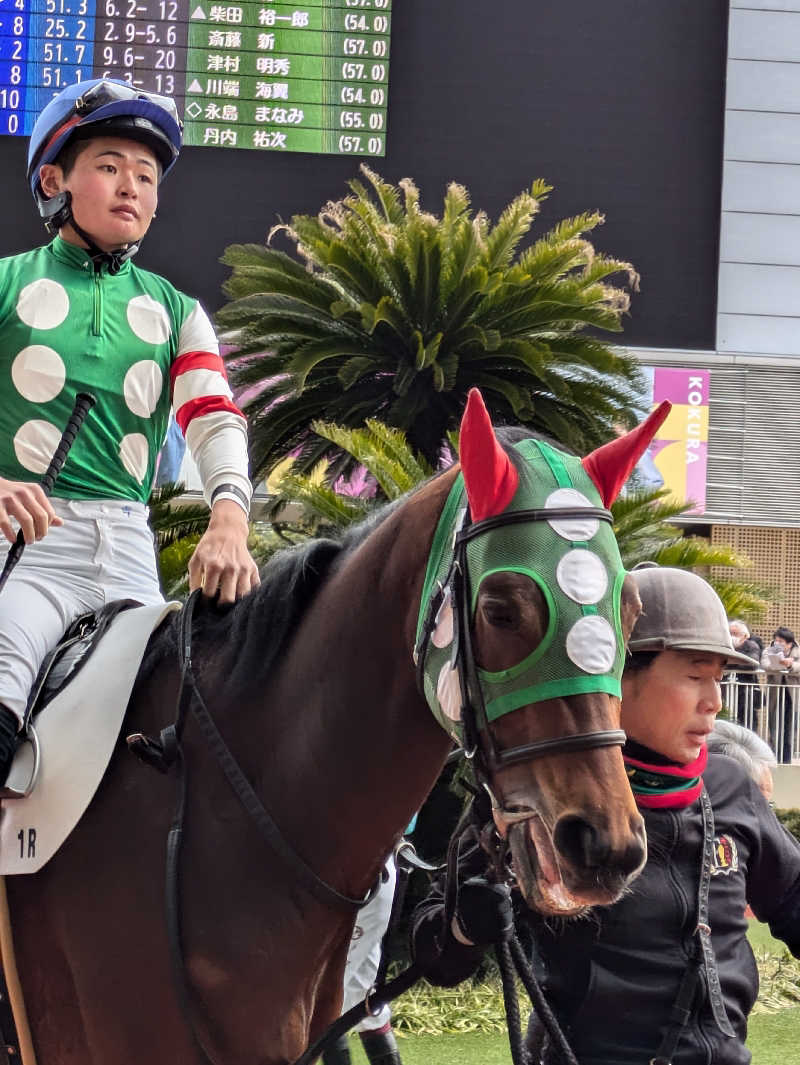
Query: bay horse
312, 684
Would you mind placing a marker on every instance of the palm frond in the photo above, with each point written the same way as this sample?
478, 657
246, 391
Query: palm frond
384, 309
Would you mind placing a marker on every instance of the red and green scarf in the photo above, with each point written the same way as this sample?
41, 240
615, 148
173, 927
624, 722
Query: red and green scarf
659, 784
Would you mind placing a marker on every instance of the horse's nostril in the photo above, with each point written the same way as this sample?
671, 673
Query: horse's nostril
580, 842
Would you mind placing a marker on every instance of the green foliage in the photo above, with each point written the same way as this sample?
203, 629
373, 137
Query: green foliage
323, 509
469, 1007
173, 561
171, 523
390, 312
643, 525
178, 530
790, 819
382, 451
779, 981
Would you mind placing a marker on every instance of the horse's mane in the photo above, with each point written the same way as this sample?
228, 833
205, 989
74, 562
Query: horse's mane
244, 641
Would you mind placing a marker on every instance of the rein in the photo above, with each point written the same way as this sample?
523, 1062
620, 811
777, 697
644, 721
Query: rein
166, 752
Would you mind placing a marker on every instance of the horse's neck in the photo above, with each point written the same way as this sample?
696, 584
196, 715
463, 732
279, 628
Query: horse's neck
348, 717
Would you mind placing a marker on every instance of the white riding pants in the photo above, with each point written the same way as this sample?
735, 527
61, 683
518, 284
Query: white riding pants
103, 551
364, 953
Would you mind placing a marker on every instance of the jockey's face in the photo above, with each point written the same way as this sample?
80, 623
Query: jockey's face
114, 187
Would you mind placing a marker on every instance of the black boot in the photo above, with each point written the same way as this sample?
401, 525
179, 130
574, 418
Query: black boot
9, 727
381, 1048
338, 1053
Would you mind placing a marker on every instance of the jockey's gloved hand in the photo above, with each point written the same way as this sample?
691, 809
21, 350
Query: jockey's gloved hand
9, 726
483, 913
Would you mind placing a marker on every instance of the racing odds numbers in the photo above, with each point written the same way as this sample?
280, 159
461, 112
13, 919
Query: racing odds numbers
311, 77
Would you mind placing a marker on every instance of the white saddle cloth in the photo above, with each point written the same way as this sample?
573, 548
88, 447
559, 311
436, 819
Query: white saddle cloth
77, 733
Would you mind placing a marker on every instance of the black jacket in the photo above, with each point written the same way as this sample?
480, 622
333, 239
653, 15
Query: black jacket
612, 977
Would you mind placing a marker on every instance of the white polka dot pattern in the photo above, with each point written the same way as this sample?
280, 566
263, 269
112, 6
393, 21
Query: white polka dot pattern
582, 576
443, 627
34, 444
571, 528
135, 455
149, 319
592, 645
142, 387
448, 692
38, 373
43, 304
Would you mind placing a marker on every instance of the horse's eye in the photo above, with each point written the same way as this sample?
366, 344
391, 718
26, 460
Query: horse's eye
501, 613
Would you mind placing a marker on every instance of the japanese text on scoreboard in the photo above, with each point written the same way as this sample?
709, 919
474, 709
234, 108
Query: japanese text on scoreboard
307, 78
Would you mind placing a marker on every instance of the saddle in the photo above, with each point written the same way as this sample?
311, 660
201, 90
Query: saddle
72, 724
71, 653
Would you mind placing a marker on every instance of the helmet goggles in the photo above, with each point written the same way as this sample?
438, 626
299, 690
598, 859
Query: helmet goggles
104, 100
106, 92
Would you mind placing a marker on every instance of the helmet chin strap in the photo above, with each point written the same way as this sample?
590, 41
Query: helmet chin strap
114, 259
57, 213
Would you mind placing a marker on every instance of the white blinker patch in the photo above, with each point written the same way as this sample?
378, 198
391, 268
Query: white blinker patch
571, 528
448, 692
592, 645
582, 576
443, 630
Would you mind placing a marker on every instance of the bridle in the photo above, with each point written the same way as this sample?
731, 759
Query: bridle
479, 742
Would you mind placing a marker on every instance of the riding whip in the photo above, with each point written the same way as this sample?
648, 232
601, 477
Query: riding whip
84, 402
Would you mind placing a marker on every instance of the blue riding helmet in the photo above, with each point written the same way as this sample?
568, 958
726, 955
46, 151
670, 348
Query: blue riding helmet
123, 110
97, 108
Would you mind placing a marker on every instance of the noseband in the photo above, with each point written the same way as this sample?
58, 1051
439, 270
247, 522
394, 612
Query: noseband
479, 743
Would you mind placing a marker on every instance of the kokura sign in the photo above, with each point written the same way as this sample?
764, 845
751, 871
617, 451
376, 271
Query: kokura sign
678, 455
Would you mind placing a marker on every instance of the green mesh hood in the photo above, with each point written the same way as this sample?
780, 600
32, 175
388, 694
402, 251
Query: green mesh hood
575, 562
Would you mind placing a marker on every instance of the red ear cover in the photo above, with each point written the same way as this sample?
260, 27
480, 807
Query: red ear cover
489, 475
611, 465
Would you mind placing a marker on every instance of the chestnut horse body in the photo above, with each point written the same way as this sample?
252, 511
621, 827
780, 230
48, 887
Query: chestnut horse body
342, 749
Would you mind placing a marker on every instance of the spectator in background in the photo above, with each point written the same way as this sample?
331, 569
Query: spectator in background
748, 749
781, 660
748, 695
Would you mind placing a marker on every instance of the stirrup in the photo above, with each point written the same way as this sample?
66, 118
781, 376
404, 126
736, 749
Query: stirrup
26, 765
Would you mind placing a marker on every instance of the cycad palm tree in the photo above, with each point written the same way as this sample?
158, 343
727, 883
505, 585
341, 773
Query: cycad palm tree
392, 313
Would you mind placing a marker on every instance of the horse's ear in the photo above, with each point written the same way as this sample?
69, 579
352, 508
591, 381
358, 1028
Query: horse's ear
489, 474
610, 465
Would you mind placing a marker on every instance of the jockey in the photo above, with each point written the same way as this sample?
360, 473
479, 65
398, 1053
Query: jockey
665, 974
77, 315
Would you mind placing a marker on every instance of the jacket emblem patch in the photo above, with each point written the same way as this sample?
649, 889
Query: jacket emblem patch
726, 856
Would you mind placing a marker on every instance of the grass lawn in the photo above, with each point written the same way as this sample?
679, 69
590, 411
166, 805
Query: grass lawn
760, 939
773, 1039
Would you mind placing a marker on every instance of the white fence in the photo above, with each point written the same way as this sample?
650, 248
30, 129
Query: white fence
770, 709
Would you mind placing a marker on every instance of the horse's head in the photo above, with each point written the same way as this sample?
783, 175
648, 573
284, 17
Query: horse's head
525, 615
